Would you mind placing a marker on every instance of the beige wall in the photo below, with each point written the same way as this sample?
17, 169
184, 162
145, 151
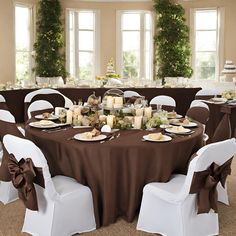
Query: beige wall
108, 27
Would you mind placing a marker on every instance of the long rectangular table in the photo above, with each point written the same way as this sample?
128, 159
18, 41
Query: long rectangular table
182, 96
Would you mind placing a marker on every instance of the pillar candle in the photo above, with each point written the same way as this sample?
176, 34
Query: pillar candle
69, 115
139, 111
79, 119
148, 112
137, 122
77, 111
118, 102
110, 102
110, 120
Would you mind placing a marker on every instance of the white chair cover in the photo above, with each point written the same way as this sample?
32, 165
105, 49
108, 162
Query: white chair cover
129, 93
7, 192
2, 99
199, 103
207, 92
65, 206
29, 96
163, 100
38, 105
169, 209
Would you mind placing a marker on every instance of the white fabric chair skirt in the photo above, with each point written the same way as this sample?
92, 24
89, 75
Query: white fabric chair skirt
72, 212
160, 213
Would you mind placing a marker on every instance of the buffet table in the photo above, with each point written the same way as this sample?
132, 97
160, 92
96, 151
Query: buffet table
115, 170
182, 96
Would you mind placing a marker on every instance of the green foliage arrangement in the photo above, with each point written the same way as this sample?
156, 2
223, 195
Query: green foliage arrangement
172, 46
49, 59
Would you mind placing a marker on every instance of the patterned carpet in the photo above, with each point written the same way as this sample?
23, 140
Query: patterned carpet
11, 218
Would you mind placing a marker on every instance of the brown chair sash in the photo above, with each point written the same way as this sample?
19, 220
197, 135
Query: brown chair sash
200, 114
3, 106
164, 107
204, 183
23, 175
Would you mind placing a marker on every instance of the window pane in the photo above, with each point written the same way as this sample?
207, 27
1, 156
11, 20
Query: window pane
22, 65
85, 65
86, 20
205, 65
86, 40
147, 21
131, 64
131, 21
131, 41
147, 65
206, 41
206, 19
22, 33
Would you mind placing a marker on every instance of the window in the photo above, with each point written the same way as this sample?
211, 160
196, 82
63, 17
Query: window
23, 42
82, 44
135, 44
206, 43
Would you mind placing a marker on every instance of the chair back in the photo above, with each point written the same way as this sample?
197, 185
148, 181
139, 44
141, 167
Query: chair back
206, 93
198, 113
223, 130
14, 146
219, 153
163, 100
29, 96
199, 103
2, 99
7, 116
129, 94
37, 106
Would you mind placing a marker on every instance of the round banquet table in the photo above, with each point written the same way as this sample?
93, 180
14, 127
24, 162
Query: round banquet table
117, 170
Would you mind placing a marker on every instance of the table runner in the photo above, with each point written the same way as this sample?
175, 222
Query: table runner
117, 170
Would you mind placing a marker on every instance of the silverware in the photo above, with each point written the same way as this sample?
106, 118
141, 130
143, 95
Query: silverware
112, 137
54, 130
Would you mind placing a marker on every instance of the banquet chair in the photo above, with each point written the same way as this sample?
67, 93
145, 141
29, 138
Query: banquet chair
206, 94
37, 106
200, 112
7, 192
170, 209
2, 99
129, 94
30, 96
166, 101
65, 207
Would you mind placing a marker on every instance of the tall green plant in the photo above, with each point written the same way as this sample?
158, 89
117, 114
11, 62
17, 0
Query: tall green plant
172, 47
49, 59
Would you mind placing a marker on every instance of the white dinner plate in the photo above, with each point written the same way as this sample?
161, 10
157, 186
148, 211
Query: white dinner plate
81, 126
165, 126
39, 125
189, 125
51, 117
81, 137
164, 139
175, 131
177, 116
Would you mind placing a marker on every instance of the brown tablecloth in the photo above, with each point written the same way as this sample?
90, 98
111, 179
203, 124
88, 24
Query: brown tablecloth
217, 111
182, 96
116, 171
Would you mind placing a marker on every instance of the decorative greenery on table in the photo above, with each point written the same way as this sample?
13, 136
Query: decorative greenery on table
171, 42
50, 61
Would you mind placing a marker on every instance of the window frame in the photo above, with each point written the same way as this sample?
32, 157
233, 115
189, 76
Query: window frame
32, 28
96, 59
219, 40
142, 54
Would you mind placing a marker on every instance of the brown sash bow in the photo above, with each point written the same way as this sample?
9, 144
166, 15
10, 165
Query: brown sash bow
204, 183
23, 176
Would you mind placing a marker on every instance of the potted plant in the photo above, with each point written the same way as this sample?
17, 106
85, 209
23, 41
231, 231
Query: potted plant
171, 41
49, 58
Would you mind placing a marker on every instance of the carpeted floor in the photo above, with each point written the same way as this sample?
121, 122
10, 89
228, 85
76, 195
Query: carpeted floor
11, 218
